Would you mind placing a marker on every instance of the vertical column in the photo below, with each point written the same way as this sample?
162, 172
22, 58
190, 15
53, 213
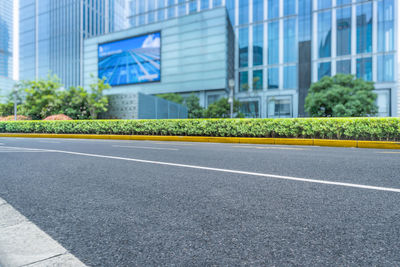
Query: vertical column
353, 38
374, 40
280, 45
334, 39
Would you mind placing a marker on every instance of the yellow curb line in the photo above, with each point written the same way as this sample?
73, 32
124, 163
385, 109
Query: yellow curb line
241, 140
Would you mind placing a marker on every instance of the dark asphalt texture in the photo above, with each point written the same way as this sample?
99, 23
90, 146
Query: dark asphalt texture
110, 212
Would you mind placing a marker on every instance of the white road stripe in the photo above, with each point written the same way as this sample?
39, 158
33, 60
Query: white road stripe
273, 176
270, 147
22, 243
147, 147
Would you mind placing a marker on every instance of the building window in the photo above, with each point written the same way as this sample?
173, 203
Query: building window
343, 2
181, 8
324, 34
250, 109
385, 25
171, 9
279, 107
290, 43
204, 4
343, 25
364, 68
192, 7
324, 4
217, 3
243, 47
324, 69
273, 42
258, 37
383, 102
289, 7
273, 9
290, 77
364, 28
160, 12
343, 66
212, 99
273, 78
386, 68
258, 10
243, 81
243, 12
257, 80
230, 6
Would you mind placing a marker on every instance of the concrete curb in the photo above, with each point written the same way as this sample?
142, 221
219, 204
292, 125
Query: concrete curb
237, 140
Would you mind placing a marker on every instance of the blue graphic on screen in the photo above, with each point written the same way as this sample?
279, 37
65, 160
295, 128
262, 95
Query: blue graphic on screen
133, 60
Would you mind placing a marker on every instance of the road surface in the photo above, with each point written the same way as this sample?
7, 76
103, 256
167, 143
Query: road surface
142, 203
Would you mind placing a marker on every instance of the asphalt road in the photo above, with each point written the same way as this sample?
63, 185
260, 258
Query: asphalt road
139, 203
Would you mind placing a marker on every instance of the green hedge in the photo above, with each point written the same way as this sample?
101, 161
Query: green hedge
325, 128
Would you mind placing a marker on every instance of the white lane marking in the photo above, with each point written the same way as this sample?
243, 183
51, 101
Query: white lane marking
147, 147
270, 147
273, 176
171, 144
50, 142
23, 243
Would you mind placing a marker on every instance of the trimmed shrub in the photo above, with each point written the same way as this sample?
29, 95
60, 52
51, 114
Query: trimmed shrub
323, 128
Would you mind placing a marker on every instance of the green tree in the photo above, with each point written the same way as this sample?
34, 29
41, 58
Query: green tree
75, 103
192, 103
222, 109
173, 97
97, 102
6, 109
42, 97
341, 96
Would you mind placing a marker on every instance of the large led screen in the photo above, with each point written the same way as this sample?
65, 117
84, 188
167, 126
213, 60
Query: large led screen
130, 61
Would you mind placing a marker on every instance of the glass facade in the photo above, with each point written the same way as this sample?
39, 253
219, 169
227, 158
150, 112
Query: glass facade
52, 34
282, 46
6, 38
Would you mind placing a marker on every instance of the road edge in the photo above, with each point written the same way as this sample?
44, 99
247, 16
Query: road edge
23, 243
237, 140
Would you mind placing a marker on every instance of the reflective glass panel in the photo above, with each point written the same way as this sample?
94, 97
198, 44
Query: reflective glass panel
290, 42
385, 25
273, 9
243, 11
273, 42
273, 78
257, 80
243, 47
290, 77
364, 68
386, 68
343, 66
364, 28
243, 81
324, 69
324, 34
258, 39
258, 10
343, 26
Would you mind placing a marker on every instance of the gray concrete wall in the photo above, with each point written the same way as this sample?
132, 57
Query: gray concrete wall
194, 54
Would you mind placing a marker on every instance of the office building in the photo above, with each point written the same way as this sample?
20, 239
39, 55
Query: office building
279, 47
6, 45
52, 34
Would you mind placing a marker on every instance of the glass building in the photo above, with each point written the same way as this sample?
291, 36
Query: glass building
282, 46
6, 44
52, 33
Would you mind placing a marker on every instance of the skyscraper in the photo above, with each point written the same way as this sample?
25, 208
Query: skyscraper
52, 34
282, 46
6, 43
